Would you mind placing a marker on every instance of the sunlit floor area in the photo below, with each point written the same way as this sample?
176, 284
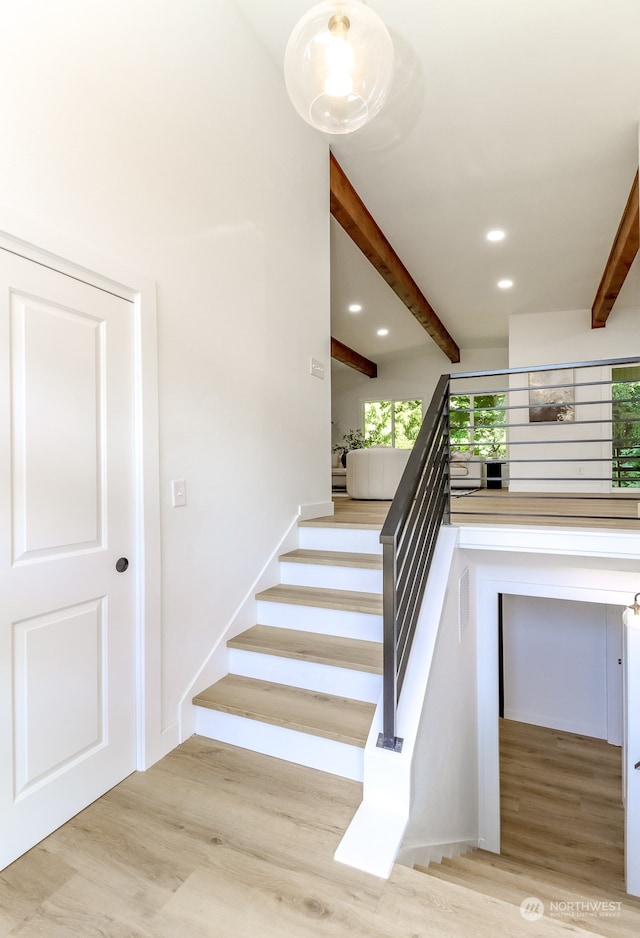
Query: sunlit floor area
218, 842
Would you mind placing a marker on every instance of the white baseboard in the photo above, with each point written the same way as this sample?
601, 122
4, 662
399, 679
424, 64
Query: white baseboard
317, 510
556, 723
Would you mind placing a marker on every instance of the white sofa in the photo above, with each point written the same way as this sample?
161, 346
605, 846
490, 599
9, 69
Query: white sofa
375, 472
466, 471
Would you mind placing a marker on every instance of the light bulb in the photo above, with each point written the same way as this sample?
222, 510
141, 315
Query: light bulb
339, 59
338, 65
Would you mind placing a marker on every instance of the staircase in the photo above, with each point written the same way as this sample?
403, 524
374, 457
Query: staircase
304, 681
538, 891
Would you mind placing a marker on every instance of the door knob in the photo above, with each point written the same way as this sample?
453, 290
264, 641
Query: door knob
121, 564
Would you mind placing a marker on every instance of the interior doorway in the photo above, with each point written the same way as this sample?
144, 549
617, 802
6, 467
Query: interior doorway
560, 691
560, 664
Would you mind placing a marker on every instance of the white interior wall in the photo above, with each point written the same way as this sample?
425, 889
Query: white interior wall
555, 664
548, 338
162, 136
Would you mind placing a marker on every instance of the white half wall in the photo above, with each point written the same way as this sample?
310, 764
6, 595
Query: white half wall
444, 773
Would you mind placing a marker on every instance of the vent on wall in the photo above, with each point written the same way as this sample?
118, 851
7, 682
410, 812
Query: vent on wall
463, 603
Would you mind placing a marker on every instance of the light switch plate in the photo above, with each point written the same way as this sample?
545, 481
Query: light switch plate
178, 493
317, 368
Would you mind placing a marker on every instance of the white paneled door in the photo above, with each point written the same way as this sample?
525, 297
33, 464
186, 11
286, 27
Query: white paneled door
67, 615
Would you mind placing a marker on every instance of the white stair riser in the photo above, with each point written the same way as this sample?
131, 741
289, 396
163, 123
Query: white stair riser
327, 755
308, 675
331, 577
323, 621
363, 541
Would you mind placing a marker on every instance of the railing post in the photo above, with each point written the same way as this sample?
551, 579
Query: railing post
388, 739
446, 429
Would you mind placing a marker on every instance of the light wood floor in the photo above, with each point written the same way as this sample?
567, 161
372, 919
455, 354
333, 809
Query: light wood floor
561, 804
487, 506
217, 842
562, 834
618, 510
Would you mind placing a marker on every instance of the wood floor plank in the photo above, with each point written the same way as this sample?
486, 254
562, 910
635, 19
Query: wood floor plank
334, 650
617, 510
484, 506
561, 830
220, 842
543, 768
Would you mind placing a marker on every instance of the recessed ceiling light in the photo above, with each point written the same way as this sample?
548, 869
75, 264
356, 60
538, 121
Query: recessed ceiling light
495, 235
383, 332
355, 308
505, 284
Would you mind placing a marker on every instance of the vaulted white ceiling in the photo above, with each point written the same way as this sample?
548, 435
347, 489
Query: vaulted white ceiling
517, 114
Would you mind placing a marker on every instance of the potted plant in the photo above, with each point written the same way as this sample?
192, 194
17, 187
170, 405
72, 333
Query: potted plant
354, 439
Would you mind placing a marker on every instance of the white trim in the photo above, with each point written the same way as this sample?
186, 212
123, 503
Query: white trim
490, 584
317, 510
38, 242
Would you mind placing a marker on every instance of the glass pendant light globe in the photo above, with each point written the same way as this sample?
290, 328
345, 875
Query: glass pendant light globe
338, 65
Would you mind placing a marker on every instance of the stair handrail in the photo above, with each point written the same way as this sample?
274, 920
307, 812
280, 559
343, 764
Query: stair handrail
408, 537
422, 504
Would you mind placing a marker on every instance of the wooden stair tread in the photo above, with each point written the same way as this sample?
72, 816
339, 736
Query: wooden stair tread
311, 646
337, 718
347, 522
347, 600
334, 558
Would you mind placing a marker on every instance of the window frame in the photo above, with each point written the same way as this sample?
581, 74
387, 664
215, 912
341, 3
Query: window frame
473, 428
392, 402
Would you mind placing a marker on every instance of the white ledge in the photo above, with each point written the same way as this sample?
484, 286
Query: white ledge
601, 542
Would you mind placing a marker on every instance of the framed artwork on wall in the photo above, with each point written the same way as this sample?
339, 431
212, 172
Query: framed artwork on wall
551, 396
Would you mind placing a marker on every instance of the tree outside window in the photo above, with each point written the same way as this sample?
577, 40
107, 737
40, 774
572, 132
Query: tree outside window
625, 427
478, 424
392, 423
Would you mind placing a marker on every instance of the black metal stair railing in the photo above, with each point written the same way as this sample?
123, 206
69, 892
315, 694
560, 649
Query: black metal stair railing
550, 431
408, 537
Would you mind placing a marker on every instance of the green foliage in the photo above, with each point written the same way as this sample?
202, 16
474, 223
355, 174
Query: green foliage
477, 425
625, 433
393, 423
377, 422
354, 439
407, 423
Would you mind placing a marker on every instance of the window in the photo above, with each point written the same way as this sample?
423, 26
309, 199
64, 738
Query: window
392, 423
478, 424
625, 427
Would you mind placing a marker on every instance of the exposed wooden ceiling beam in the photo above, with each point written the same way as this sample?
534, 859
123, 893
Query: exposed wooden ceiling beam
342, 353
623, 252
350, 211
